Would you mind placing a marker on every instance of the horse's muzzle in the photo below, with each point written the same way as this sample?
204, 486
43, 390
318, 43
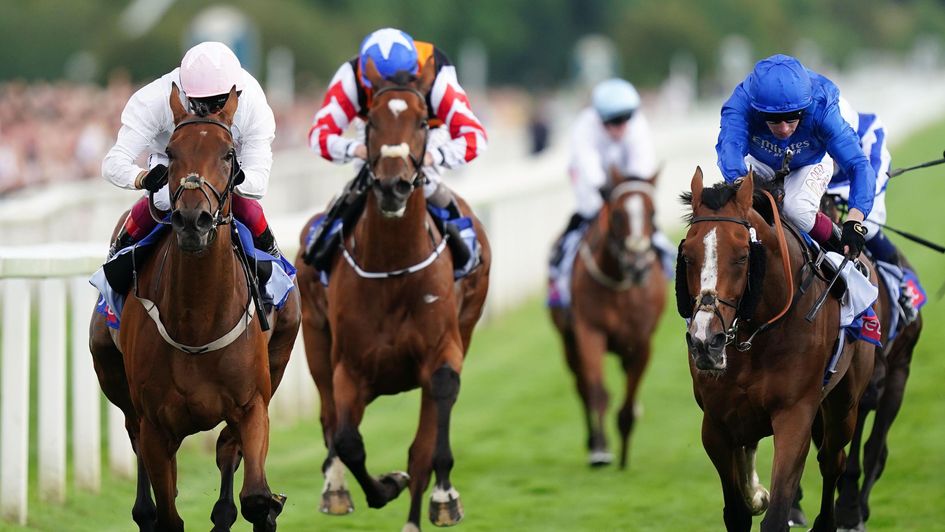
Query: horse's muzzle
193, 229
708, 355
392, 196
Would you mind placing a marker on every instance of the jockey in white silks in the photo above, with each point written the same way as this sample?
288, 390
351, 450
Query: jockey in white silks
611, 134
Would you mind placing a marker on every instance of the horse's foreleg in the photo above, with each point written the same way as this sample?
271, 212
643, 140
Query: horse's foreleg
634, 364
257, 503
420, 458
792, 435
228, 460
445, 506
590, 349
156, 451
349, 445
722, 453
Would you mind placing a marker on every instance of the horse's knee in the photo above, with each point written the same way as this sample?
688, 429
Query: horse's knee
444, 383
349, 445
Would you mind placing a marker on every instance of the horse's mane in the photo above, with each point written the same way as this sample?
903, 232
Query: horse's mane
720, 194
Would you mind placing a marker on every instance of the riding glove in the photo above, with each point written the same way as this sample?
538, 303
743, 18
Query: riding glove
154, 179
853, 237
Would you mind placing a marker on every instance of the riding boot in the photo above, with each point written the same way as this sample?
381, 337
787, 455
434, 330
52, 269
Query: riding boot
123, 240
884, 250
443, 199
266, 241
557, 251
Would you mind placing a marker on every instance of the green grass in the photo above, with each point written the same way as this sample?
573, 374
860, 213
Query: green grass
518, 434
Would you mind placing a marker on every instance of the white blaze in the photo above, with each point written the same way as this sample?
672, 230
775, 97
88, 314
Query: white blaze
397, 106
709, 279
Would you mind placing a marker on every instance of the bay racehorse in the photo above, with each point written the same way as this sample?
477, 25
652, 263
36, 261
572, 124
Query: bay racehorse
758, 367
190, 295
618, 291
392, 318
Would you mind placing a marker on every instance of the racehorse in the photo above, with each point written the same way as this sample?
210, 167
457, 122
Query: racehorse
149, 368
758, 367
392, 317
884, 397
618, 294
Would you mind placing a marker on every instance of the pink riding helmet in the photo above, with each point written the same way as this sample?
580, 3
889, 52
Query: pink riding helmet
209, 69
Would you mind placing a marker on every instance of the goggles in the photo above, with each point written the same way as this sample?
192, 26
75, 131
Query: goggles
619, 120
777, 118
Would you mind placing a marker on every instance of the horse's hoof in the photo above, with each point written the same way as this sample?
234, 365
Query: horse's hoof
759, 504
410, 527
397, 481
445, 507
336, 502
600, 458
796, 518
277, 504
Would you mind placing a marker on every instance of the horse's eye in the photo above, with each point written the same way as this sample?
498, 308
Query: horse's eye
741, 260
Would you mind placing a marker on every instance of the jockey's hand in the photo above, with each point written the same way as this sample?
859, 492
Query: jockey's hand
853, 238
360, 151
427, 159
153, 180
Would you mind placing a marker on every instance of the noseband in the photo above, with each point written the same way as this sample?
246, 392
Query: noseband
419, 178
194, 180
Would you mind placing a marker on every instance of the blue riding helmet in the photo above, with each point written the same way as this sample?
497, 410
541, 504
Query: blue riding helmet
391, 50
779, 84
615, 98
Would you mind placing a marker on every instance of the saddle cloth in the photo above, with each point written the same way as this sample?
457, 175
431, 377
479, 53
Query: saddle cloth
116, 277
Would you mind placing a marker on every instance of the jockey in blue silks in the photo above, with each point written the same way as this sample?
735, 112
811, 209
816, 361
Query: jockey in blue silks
783, 107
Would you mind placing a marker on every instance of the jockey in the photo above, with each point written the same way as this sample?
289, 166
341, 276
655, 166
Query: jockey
456, 136
782, 108
869, 128
611, 133
207, 73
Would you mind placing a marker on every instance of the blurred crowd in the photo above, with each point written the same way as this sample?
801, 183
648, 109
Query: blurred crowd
57, 132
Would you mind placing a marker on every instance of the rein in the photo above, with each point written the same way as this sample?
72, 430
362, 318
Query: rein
190, 182
708, 301
418, 180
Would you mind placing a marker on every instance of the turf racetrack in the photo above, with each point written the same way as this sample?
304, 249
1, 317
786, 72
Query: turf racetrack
518, 435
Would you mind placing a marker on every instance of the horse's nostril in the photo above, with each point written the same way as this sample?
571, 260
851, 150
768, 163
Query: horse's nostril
717, 341
204, 222
177, 220
689, 340
402, 188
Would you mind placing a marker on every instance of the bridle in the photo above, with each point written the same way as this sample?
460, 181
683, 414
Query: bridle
709, 301
194, 180
615, 247
419, 178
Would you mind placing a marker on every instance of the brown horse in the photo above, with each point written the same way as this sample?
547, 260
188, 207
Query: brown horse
169, 389
739, 275
618, 294
372, 334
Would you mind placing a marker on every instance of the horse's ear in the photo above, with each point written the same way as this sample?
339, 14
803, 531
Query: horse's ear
427, 75
229, 108
177, 108
696, 188
371, 73
743, 198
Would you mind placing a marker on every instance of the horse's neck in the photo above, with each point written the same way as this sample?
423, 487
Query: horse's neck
598, 239
382, 243
776, 289
201, 288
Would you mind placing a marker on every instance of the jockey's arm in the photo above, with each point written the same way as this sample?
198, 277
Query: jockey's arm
732, 146
139, 127
843, 145
255, 152
642, 155
468, 137
339, 107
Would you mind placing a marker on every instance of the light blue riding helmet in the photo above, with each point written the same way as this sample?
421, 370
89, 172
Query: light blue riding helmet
779, 84
391, 49
615, 98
